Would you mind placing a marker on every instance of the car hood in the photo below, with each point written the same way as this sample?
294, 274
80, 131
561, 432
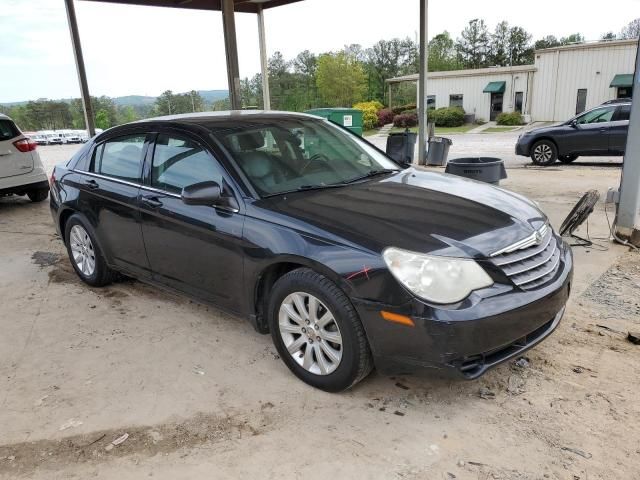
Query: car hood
547, 128
414, 210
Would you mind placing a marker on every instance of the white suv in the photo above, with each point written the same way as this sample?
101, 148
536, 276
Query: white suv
21, 170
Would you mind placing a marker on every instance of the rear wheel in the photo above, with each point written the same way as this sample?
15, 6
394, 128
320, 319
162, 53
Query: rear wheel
567, 158
38, 195
544, 153
84, 253
317, 331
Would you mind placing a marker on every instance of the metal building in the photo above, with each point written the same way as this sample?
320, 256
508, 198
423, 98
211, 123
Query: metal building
562, 82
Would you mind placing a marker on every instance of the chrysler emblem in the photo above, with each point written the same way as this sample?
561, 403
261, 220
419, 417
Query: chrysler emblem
538, 237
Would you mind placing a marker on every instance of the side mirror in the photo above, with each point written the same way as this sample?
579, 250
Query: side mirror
203, 193
573, 123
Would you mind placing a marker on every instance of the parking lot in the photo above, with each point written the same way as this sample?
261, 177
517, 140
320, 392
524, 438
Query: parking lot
200, 393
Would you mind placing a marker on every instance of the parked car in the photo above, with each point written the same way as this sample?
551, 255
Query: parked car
596, 132
40, 139
347, 258
70, 137
54, 139
21, 170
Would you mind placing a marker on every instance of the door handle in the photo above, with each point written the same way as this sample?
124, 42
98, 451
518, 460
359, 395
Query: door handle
92, 184
152, 201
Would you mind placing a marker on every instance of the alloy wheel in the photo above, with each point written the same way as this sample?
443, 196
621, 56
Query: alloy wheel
310, 333
82, 250
543, 153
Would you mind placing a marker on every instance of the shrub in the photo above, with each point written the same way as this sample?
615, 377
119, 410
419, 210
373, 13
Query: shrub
402, 108
405, 120
511, 118
385, 116
448, 117
369, 113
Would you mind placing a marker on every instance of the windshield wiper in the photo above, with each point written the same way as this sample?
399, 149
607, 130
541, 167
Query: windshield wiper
372, 173
304, 188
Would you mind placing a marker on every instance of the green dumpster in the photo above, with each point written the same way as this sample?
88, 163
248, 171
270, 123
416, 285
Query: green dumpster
347, 117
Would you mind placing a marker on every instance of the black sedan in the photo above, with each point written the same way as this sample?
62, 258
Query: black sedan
348, 259
601, 131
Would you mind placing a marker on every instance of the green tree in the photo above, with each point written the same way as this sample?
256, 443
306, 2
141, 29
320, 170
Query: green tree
573, 38
442, 54
126, 114
549, 41
102, 119
499, 47
608, 36
341, 79
632, 30
473, 46
520, 49
387, 59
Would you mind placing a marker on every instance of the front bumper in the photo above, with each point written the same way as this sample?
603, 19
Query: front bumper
466, 342
523, 147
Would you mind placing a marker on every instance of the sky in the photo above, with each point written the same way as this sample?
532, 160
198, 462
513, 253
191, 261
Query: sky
131, 50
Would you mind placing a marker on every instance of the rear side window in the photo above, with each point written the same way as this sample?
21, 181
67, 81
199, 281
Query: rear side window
623, 113
8, 130
120, 158
179, 162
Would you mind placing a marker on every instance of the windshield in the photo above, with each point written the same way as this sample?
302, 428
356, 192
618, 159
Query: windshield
282, 155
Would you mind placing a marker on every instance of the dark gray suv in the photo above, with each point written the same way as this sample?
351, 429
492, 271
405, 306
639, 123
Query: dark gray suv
597, 132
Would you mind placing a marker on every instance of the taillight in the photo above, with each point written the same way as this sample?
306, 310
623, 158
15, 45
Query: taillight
25, 145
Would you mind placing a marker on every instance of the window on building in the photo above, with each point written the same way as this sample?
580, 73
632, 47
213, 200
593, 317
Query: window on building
431, 102
120, 158
455, 100
581, 101
517, 104
625, 92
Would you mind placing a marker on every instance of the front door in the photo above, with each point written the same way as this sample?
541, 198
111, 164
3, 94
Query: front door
590, 133
192, 248
496, 105
109, 193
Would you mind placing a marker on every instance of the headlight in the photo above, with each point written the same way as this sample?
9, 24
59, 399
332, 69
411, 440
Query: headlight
436, 279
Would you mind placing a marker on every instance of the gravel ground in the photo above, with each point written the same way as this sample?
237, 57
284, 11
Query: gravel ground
129, 382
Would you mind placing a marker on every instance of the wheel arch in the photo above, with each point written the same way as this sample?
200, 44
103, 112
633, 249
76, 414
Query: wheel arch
270, 274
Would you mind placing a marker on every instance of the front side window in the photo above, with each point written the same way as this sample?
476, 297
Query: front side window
281, 155
597, 115
120, 158
8, 130
455, 100
180, 162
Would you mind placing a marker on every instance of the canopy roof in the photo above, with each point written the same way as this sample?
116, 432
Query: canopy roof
244, 6
622, 80
495, 87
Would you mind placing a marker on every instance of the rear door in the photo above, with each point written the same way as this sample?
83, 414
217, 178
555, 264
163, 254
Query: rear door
12, 161
193, 248
590, 135
619, 129
109, 198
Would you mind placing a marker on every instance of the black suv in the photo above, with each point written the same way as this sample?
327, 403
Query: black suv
596, 132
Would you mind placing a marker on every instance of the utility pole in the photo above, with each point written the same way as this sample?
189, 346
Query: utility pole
422, 84
628, 212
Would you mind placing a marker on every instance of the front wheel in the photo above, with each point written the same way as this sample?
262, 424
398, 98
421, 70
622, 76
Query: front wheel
544, 153
317, 331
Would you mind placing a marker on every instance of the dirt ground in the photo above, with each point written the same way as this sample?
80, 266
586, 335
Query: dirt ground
201, 395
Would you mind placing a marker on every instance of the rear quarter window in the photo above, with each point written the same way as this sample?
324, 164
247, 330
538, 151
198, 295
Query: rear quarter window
8, 130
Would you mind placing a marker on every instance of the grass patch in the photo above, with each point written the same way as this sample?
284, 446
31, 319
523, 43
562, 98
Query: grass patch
439, 130
498, 129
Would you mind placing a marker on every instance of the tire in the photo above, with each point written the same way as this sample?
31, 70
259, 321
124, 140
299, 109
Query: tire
38, 195
544, 153
567, 158
84, 253
314, 352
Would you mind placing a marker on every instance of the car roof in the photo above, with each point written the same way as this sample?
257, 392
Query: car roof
617, 101
203, 118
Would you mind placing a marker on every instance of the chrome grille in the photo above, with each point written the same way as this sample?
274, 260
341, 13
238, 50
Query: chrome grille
530, 265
